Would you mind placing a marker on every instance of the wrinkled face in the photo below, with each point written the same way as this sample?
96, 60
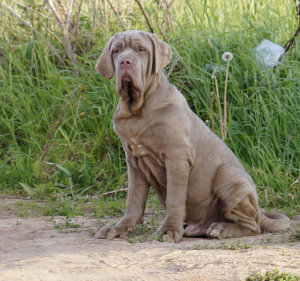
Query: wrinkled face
132, 57
132, 60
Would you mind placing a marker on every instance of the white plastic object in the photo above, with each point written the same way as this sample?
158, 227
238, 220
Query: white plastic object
211, 67
268, 54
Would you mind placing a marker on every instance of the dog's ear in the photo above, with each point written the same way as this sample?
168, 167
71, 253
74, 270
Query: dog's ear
162, 53
104, 64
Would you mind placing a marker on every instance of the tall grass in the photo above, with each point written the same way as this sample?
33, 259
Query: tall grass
84, 156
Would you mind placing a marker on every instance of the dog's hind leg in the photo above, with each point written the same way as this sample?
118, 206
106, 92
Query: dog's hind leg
235, 191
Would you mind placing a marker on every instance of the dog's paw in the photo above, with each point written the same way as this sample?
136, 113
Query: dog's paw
174, 233
114, 232
218, 230
215, 230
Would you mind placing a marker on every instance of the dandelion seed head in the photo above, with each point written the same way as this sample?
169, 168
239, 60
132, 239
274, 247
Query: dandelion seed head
227, 56
214, 75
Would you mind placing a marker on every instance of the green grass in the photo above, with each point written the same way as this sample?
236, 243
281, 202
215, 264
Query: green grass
295, 236
84, 156
274, 275
237, 245
67, 206
67, 223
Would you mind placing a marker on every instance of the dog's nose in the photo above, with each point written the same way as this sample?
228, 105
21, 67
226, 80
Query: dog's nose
125, 62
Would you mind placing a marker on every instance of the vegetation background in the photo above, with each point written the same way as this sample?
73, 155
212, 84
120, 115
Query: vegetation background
56, 137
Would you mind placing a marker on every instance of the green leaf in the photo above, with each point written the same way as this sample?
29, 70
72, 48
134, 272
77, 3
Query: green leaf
36, 169
67, 173
28, 189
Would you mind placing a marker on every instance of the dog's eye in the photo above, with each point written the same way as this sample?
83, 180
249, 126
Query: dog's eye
142, 50
116, 51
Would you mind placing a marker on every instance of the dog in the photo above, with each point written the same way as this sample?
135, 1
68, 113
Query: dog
197, 178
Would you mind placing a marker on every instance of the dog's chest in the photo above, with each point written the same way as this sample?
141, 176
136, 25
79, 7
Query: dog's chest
139, 133
142, 147
138, 139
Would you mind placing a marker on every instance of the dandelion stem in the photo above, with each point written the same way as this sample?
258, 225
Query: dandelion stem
220, 108
225, 101
212, 111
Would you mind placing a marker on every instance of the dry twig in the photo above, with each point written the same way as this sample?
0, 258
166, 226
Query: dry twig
65, 26
75, 32
51, 47
30, 9
144, 13
52, 33
116, 13
110, 193
173, 66
162, 33
169, 17
291, 43
94, 17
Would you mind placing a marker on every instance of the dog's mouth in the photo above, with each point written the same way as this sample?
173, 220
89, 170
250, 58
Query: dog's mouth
126, 78
128, 88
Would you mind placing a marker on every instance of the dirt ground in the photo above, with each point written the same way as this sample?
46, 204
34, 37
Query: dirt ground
38, 249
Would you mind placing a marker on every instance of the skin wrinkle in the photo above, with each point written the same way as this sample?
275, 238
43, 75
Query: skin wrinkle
196, 177
134, 97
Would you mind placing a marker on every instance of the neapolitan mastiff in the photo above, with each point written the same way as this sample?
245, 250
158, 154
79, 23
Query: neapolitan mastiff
196, 177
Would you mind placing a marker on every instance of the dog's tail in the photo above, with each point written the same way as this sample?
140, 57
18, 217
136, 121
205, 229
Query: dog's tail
273, 222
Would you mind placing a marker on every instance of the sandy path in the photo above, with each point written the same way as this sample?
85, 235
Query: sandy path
31, 249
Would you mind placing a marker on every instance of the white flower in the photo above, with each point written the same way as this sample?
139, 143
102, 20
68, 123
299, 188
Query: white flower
227, 56
214, 75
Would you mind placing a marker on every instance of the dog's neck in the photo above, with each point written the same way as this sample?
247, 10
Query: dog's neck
133, 106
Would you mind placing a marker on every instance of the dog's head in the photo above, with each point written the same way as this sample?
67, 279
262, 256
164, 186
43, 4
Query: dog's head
133, 57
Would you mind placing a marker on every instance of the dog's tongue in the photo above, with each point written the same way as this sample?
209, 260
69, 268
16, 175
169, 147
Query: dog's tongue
126, 78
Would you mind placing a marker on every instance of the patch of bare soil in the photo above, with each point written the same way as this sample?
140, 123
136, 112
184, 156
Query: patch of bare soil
41, 249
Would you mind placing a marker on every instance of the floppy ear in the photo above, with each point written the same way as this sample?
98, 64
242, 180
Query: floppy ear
104, 64
162, 53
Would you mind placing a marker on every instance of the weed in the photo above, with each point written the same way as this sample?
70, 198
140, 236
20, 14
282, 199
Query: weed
25, 209
295, 236
66, 224
265, 242
273, 276
199, 247
146, 231
143, 238
143, 233
238, 245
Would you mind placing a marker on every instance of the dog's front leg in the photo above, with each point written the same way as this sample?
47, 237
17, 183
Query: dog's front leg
177, 180
135, 206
